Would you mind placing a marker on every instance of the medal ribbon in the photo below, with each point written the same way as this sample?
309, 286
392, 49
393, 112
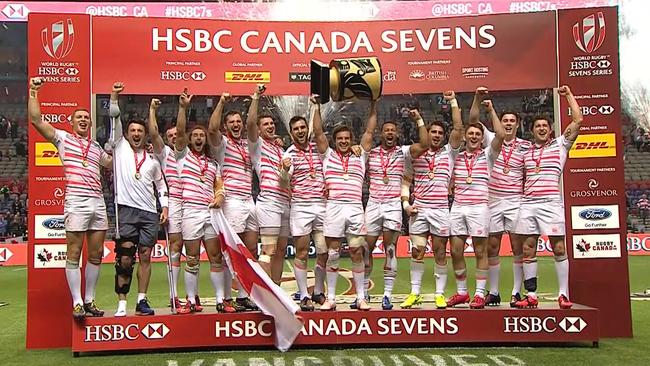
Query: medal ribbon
384, 163
310, 159
84, 150
138, 164
537, 161
201, 159
469, 166
506, 157
345, 160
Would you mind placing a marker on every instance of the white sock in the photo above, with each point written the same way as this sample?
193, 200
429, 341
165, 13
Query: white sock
175, 271
121, 306
191, 286
241, 292
518, 273
73, 276
227, 283
493, 274
461, 281
481, 279
357, 277
440, 272
301, 279
319, 274
562, 270
141, 296
92, 275
331, 283
217, 279
417, 271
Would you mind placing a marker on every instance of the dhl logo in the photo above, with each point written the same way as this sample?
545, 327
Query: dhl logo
47, 154
248, 77
594, 146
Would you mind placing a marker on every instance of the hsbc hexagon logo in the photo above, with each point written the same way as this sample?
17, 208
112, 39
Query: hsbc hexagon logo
15, 11
606, 109
572, 324
589, 34
198, 76
58, 39
72, 71
155, 331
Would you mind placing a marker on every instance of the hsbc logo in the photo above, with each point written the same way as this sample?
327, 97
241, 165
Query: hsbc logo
589, 34
119, 332
72, 71
175, 75
55, 118
58, 39
15, 11
534, 324
595, 110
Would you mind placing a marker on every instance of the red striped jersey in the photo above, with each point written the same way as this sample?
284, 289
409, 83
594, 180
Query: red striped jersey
197, 193
82, 181
507, 176
472, 190
432, 192
545, 184
234, 158
344, 185
307, 181
266, 157
385, 171
171, 170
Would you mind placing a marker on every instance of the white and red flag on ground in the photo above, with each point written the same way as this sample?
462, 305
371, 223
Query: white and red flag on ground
268, 296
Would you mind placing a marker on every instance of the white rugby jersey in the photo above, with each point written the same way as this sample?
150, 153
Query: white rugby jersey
431, 173
198, 175
472, 189
234, 159
507, 176
266, 157
385, 172
344, 175
171, 170
306, 173
544, 183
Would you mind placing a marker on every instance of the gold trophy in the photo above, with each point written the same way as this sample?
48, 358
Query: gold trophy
347, 78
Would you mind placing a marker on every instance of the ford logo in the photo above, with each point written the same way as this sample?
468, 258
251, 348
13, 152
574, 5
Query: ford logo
595, 214
54, 224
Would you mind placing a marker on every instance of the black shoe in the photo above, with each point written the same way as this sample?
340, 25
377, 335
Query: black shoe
235, 304
493, 300
91, 309
318, 298
306, 304
143, 308
247, 303
514, 298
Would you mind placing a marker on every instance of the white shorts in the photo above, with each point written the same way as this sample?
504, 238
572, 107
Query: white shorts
197, 224
84, 213
175, 224
470, 220
306, 217
273, 218
342, 219
430, 220
241, 214
503, 214
382, 216
541, 218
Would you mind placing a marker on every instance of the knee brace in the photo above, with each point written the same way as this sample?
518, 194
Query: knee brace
215, 267
391, 258
420, 241
269, 239
264, 258
71, 264
319, 242
124, 263
333, 257
192, 264
356, 241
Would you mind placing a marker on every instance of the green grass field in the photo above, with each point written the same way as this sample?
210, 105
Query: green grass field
13, 282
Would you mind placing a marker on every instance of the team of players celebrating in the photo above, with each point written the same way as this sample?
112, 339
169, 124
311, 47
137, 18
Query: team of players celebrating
313, 190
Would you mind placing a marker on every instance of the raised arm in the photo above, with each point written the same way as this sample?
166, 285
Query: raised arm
573, 129
156, 140
423, 135
251, 118
371, 125
321, 140
34, 107
456, 135
499, 132
114, 111
214, 127
181, 121
475, 111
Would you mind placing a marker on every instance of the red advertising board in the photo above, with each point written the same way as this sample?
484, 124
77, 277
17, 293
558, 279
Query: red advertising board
593, 176
423, 56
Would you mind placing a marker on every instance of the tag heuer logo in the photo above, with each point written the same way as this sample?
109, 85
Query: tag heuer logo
573, 324
155, 331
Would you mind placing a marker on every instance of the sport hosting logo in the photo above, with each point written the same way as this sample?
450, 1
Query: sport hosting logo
589, 34
58, 39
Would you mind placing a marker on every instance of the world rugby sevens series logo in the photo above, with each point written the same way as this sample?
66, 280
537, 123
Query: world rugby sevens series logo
58, 39
589, 34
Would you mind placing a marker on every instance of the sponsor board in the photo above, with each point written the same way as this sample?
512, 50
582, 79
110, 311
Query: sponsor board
598, 145
51, 256
594, 217
550, 324
56, 198
46, 154
129, 332
177, 75
299, 77
597, 246
476, 72
248, 77
49, 227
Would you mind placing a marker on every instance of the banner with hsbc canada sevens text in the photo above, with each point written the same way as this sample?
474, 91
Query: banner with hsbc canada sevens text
593, 175
59, 51
502, 52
